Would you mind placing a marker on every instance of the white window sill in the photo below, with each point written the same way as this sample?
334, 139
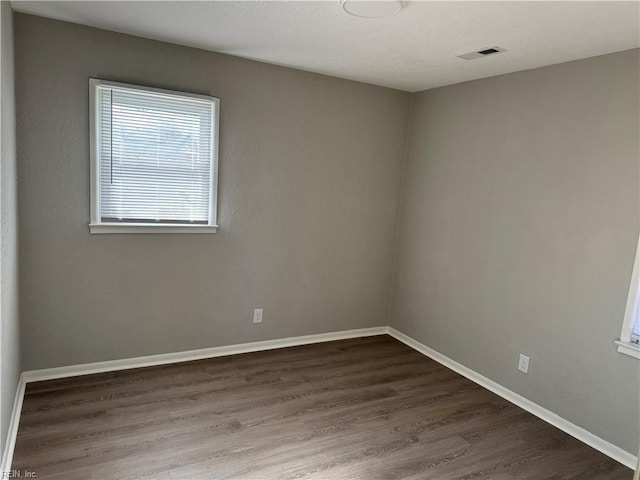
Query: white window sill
149, 228
628, 348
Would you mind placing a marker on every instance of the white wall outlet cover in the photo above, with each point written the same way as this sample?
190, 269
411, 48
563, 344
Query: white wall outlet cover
523, 363
257, 315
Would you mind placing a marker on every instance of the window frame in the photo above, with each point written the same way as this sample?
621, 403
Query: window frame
97, 225
627, 344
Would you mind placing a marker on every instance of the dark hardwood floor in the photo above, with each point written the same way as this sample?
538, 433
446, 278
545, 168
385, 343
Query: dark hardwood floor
359, 409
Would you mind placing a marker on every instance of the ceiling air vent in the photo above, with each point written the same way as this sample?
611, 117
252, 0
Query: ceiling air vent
482, 53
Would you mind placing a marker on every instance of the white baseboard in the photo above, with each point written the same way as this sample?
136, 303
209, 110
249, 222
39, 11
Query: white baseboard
12, 433
566, 426
161, 359
166, 358
581, 434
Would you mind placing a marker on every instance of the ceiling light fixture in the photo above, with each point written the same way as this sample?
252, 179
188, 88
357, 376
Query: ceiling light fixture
371, 8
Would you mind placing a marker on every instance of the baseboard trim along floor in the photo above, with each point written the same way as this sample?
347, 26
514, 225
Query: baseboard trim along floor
548, 416
12, 433
186, 356
566, 426
161, 359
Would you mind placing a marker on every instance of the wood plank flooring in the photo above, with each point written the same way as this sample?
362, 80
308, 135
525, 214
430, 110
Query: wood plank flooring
367, 408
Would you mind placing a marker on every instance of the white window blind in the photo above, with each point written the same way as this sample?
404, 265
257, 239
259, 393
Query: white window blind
635, 329
155, 156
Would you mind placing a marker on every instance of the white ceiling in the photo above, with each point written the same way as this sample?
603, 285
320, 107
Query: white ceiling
414, 50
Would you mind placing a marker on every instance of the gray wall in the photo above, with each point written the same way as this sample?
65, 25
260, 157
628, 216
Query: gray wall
310, 171
518, 230
9, 328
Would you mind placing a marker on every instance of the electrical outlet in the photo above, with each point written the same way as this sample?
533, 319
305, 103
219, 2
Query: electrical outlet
257, 315
523, 364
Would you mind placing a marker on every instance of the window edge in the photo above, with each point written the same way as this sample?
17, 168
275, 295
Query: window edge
626, 343
106, 228
628, 348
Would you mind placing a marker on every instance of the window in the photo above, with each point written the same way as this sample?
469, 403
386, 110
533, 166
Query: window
629, 342
153, 160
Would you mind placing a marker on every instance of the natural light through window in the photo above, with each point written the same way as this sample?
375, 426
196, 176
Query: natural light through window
629, 342
154, 160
